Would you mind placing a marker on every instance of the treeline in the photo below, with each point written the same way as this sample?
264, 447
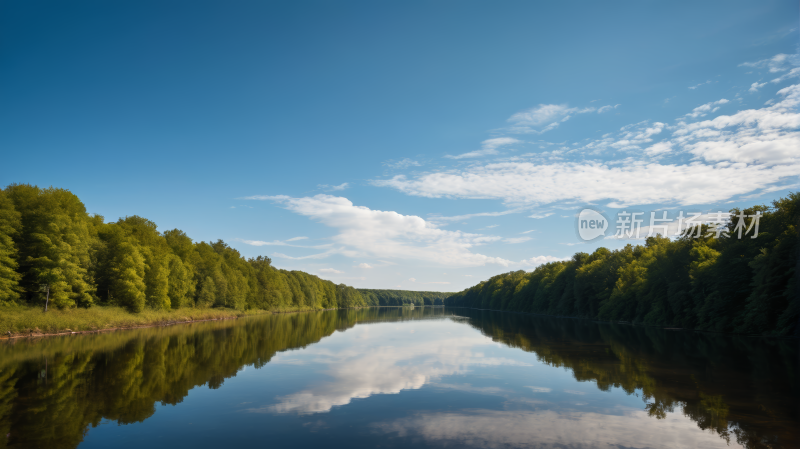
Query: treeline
50, 247
746, 285
403, 297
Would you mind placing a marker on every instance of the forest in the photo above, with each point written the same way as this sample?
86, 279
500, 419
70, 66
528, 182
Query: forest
746, 286
52, 251
403, 297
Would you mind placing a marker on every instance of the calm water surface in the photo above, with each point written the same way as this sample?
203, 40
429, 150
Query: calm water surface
387, 377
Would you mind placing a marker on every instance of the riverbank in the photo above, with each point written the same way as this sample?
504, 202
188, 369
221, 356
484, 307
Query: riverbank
24, 321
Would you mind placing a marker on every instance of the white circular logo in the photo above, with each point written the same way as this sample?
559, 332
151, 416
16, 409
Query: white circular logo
591, 224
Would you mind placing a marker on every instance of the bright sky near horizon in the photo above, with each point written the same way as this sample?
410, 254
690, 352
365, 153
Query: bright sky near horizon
413, 145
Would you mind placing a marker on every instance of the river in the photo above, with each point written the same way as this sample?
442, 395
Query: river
397, 377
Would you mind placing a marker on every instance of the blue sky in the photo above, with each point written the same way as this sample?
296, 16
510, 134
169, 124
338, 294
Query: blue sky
400, 145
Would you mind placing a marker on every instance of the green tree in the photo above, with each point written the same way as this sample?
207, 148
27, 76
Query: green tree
10, 226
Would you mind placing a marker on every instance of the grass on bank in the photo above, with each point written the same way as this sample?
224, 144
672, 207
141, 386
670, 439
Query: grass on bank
21, 319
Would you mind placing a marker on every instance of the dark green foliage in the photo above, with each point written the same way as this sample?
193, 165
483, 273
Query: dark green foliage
736, 285
47, 238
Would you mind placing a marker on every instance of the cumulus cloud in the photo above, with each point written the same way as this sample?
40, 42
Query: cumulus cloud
658, 148
746, 152
755, 86
364, 265
757, 137
489, 146
330, 271
363, 232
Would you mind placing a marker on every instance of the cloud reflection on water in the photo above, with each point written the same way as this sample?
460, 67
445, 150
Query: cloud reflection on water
370, 366
550, 429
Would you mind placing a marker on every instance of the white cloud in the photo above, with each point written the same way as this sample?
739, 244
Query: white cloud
490, 146
543, 118
403, 163
703, 110
539, 216
539, 260
755, 86
775, 64
364, 265
282, 243
754, 136
312, 256
514, 240
412, 279
742, 153
438, 218
698, 85
794, 73
659, 148
364, 232
607, 108
329, 187
330, 271
527, 232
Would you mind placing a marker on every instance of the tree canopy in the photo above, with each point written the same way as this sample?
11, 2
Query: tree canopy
746, 285
48, 239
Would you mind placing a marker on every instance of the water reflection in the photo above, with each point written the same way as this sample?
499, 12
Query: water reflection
432, 377
386, 360
551, 429
743, 389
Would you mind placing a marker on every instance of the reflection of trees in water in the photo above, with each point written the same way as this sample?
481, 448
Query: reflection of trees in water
120, 376
738, 387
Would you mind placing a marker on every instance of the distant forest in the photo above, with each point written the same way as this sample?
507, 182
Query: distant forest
746, 285
47, 240
403, 297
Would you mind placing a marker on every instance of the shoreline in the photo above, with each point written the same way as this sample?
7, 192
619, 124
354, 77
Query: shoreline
226, 315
